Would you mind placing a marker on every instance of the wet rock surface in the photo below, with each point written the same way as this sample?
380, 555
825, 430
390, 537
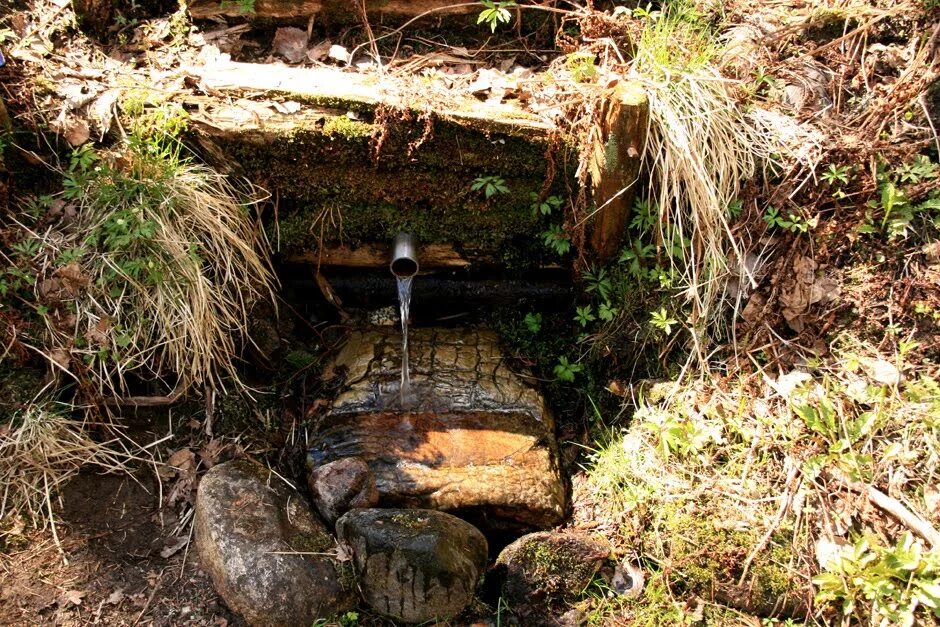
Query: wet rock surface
414, 565
342, 485
472, 437
548, 566
255, 536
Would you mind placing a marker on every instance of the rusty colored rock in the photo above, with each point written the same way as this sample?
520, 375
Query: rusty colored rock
474, 439
342, 485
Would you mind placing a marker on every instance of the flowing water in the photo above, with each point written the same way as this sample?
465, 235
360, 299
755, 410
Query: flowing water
404, 300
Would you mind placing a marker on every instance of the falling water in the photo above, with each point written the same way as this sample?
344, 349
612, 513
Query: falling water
404, 300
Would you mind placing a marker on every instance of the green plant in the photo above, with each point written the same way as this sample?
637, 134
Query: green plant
598, 281
556, 239
490, 185
565, 371
582, 66
837, 174
899, 583
533, 322
607, 312
662, 321
921, 169
584, 315
547, 206
495, 13
792, 223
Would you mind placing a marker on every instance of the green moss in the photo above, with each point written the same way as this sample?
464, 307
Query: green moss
346, 127
310, 542
329, 184
18, 387
714, 572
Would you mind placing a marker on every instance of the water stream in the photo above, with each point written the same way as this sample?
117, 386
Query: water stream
404, 300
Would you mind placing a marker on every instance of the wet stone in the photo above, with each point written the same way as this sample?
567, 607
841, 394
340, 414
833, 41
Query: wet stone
414, 565
340, 486
472, 437
256, 538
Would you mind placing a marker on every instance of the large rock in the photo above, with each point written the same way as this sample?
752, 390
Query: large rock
548, 566
414, 565
342, 485
248, 523
472, 437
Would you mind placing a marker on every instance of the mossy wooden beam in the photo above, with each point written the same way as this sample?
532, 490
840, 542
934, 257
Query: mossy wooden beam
615, 166
330, 11
356, 158
334, 88
431, 256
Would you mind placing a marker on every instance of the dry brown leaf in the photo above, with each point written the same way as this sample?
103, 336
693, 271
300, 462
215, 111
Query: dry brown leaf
73, 597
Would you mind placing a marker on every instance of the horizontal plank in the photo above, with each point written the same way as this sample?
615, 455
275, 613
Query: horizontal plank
338, 89
329, 10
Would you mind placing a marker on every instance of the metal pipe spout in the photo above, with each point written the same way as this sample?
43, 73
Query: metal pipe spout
404, 261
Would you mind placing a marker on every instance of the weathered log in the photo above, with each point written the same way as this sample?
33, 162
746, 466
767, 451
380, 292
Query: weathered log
331, 11
615, 166
377, 255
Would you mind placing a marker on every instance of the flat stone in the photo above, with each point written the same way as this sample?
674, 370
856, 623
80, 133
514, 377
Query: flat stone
256, 537
340, 486
472, 437
414, 565
548, 566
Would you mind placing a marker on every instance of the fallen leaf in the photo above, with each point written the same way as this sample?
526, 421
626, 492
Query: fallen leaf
115, 597
291, 43
339, 53
183, 459
173, 547
73, 597
287, 107
319, 51
76, 131
882, 372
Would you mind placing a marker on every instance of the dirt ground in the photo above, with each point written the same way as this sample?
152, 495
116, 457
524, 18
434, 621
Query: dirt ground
124, 563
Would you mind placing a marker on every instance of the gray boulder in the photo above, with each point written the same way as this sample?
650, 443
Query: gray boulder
414, 565
340, 486
256, 537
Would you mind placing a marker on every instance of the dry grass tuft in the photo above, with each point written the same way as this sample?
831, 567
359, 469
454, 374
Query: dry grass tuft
41, 449
153, 280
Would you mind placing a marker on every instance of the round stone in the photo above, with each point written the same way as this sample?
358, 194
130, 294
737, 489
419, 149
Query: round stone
263, 547
414, 565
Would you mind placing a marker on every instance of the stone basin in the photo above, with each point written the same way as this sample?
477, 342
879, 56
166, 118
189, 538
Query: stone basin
472, 439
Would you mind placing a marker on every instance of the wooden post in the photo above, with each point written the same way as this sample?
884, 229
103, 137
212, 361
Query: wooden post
615, 165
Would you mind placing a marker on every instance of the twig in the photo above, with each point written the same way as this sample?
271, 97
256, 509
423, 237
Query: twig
891, 505
786, 499
153, 593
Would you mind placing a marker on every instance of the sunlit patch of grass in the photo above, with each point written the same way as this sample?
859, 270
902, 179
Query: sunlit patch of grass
758, 494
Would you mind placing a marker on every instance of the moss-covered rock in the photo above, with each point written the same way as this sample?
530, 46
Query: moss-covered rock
543, 567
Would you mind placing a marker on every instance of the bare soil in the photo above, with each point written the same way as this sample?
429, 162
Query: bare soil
122, 565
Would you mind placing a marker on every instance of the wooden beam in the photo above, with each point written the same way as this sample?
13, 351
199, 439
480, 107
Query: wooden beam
615, 166
376, 256
337, 89
330, 11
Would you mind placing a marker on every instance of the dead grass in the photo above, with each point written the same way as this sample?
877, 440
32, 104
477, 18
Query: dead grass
41, 449
154, 279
